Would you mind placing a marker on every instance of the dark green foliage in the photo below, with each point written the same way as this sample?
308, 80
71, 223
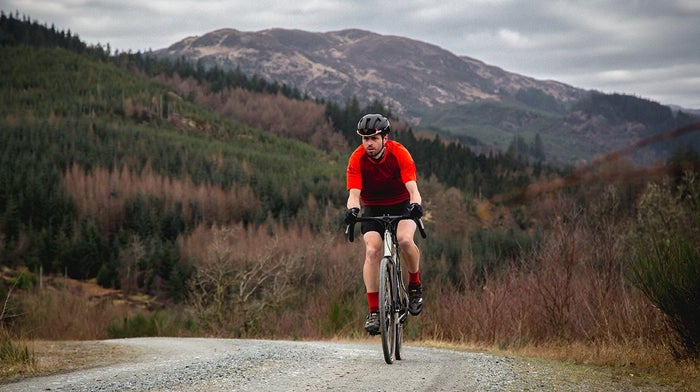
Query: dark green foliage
453, 254
655, 118
157, 323
15, 32
83, 257
32, 198
345, 117
522, 150
621, 107
60, 108
108, 274
666, 260
538, 99
495, 249
19, 279
340, 315
148, 217
24, 32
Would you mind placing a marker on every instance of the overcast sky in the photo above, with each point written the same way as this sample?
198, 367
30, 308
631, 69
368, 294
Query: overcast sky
648, 48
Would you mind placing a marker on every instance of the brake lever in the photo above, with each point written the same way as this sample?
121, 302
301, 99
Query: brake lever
350, 232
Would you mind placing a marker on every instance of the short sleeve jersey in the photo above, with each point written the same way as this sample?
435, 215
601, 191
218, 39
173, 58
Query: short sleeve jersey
381, 183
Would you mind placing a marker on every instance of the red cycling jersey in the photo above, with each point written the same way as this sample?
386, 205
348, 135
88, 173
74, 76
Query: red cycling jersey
382, 183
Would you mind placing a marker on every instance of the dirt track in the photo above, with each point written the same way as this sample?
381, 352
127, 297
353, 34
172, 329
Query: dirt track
176, 364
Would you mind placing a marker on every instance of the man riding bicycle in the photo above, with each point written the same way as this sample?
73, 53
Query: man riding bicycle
381, 174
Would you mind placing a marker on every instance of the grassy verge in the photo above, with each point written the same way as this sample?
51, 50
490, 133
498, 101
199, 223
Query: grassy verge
50, 357
638, 366
15, 356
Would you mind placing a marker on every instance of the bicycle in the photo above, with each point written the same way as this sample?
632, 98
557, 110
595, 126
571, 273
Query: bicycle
393, 295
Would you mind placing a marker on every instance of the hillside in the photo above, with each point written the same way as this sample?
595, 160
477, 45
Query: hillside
103, 155
210, 203
94, 155
434, 89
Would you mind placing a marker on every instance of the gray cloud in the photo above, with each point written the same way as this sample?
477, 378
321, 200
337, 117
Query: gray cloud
643, 47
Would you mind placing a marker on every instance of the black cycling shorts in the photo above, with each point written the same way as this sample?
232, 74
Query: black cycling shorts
395, 209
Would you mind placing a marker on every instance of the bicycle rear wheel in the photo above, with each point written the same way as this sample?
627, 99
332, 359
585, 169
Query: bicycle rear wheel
387, 319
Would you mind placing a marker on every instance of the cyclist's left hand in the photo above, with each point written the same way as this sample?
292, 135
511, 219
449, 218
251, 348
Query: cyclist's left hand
415, 211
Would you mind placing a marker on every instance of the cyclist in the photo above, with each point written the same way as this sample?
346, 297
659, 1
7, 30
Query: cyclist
381, 175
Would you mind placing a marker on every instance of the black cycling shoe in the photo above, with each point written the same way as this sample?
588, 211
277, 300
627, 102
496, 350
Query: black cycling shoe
372, 323
415, 299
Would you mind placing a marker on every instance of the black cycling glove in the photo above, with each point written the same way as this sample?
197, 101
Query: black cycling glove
351, 215
415, 211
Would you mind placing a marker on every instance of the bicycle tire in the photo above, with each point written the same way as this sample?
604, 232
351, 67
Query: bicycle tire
399, 341
387, 319
403, 309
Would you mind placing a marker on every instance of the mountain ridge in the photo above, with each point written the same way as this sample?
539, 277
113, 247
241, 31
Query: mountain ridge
434, 89
338, 64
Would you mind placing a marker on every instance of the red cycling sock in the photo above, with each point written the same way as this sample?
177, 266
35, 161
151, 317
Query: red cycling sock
373, 301
414, 278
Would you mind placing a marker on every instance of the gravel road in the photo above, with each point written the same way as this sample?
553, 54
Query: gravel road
194, 364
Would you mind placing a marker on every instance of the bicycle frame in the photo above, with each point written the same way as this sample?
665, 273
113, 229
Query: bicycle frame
392, 291
390, 240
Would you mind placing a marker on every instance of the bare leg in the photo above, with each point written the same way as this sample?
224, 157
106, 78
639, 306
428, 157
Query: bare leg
410, 253
373, 255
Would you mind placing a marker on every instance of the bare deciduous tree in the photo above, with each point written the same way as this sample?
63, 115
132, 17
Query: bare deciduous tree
237, 279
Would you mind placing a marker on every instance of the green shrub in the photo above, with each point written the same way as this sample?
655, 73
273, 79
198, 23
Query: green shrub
665, 262
494, 249
341, 314
155, 323
22, 279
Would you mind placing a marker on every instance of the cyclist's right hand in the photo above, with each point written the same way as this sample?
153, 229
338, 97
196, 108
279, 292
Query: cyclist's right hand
351, 215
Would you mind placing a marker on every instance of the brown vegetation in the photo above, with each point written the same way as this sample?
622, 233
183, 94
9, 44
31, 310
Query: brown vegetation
302, 120
569, 290
101, 193
280, 281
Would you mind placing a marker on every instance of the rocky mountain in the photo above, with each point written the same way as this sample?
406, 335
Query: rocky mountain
429, 87
402, 73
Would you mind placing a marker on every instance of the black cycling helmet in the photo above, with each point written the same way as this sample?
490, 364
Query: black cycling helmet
372, 124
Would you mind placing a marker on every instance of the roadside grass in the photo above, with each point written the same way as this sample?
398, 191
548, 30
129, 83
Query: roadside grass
68, 314
640, 363
50, 357
15, 356
625, 361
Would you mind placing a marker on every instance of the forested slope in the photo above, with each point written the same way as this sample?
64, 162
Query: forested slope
65, 113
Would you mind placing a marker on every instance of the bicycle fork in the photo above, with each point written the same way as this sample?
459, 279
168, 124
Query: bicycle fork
391, 252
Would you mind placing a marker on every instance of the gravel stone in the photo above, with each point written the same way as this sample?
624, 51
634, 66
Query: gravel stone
201, 364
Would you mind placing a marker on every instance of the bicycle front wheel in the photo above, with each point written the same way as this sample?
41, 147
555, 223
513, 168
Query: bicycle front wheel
401, 315
387, 319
